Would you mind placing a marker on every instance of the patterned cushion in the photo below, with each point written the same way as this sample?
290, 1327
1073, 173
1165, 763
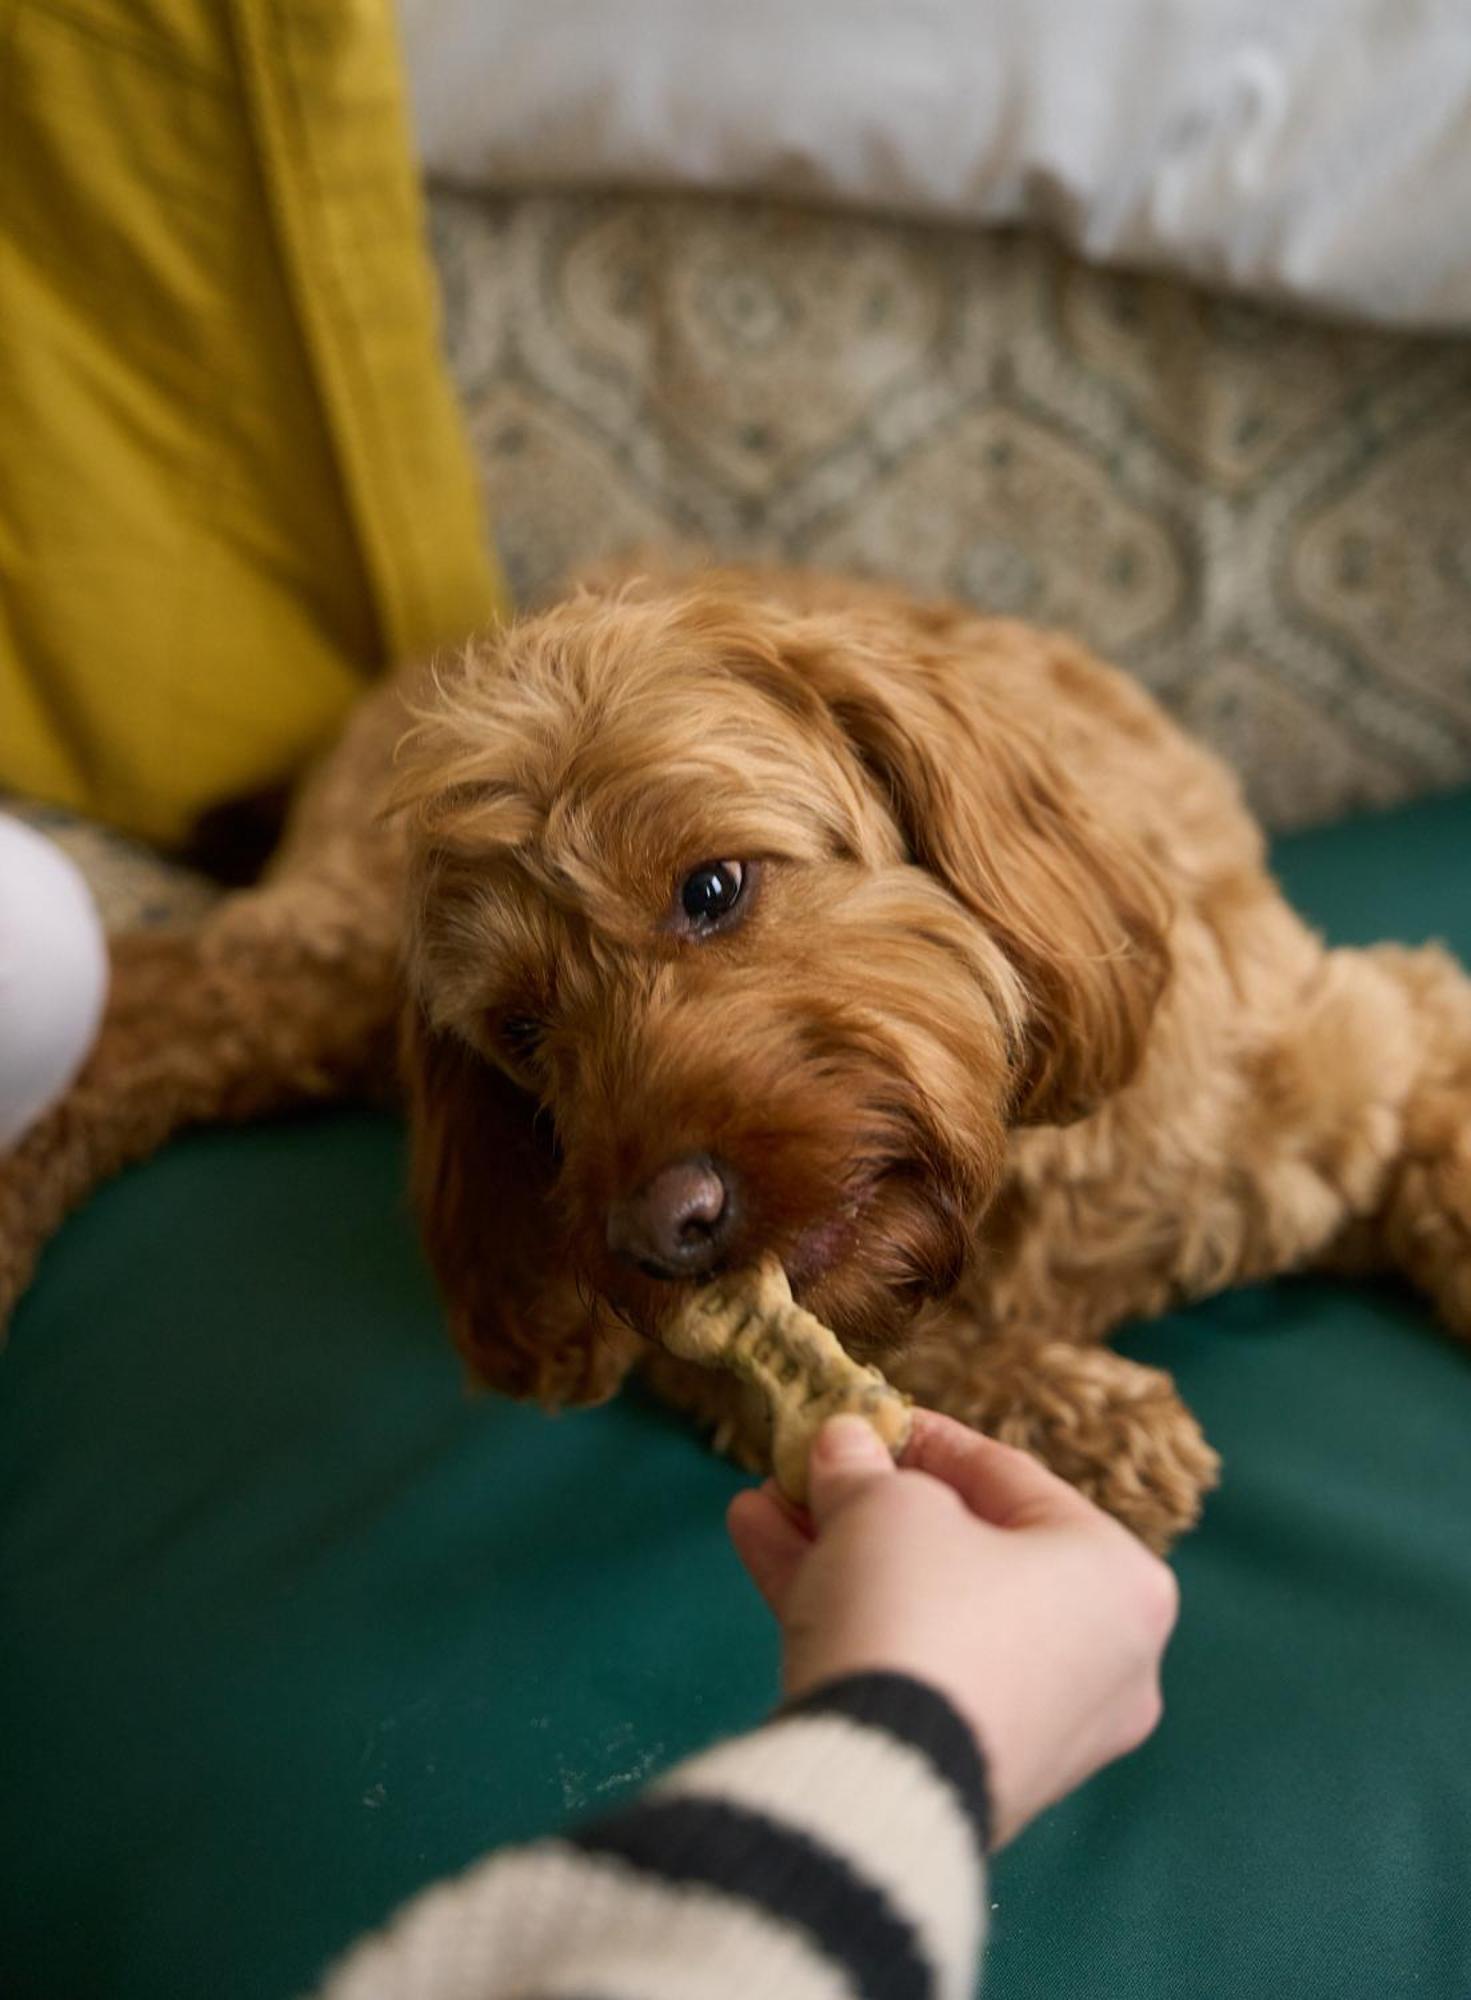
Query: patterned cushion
1267, 518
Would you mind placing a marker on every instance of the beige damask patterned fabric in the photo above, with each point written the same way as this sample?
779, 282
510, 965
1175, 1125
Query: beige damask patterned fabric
1267, 518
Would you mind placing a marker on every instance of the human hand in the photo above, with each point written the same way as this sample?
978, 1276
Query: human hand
975, 1569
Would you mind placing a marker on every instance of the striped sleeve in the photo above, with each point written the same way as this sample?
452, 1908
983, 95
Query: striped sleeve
837, 1853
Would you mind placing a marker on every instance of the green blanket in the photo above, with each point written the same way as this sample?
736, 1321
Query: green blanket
289, 1627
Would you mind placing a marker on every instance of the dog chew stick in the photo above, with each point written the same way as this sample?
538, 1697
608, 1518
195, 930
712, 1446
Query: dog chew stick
750, 1324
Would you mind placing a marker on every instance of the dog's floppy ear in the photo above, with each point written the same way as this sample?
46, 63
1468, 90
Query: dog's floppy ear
483, 1167
984, 805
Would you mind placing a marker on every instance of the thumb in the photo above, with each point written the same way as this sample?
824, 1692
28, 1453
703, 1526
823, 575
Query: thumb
847, 1456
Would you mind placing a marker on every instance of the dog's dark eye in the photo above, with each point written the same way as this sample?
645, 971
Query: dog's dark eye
712, 891
520, 1037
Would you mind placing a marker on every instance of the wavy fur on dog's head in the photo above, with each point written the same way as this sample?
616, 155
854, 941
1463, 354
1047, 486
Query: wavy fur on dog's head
936, 940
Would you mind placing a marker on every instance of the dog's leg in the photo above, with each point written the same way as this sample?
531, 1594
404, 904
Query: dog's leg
288, 994
1354, 1152
1420, 1224
1114, 1429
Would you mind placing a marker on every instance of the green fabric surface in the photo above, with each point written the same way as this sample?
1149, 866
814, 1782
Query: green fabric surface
288, 1626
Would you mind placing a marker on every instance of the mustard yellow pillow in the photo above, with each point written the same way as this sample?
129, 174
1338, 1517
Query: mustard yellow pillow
233, 484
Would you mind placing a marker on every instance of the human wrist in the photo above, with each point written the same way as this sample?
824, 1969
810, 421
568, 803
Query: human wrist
912, 1707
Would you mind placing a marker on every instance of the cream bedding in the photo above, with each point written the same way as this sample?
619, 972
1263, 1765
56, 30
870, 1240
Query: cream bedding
1311, 150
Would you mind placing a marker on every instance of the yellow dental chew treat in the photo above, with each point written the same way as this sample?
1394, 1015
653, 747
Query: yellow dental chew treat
750, 1324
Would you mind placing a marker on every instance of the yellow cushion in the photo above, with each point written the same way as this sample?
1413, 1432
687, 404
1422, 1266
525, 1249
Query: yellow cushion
233, 483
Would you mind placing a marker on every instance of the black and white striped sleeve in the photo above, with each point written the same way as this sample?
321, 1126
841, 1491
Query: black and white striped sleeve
837, 1853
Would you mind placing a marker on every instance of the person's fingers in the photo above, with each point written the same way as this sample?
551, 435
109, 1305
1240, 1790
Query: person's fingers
847, 1456
798, 1516
999, 1482
769, 1542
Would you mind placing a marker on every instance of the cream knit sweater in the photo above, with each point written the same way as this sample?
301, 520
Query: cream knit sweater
837, 1852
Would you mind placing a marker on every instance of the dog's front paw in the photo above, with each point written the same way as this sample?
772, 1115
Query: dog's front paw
1119, 1433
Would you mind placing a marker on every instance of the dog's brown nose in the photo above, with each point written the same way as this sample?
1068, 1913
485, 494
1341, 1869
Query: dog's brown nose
679, 1221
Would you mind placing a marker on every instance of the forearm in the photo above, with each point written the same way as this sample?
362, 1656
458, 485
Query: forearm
837, 1850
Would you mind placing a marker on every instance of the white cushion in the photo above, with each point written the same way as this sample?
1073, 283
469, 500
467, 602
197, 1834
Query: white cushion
53, 975
1314, 149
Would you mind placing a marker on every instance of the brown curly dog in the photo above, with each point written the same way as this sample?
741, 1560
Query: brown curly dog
752, 912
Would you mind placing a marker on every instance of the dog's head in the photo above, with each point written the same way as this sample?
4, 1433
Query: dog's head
733, 930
